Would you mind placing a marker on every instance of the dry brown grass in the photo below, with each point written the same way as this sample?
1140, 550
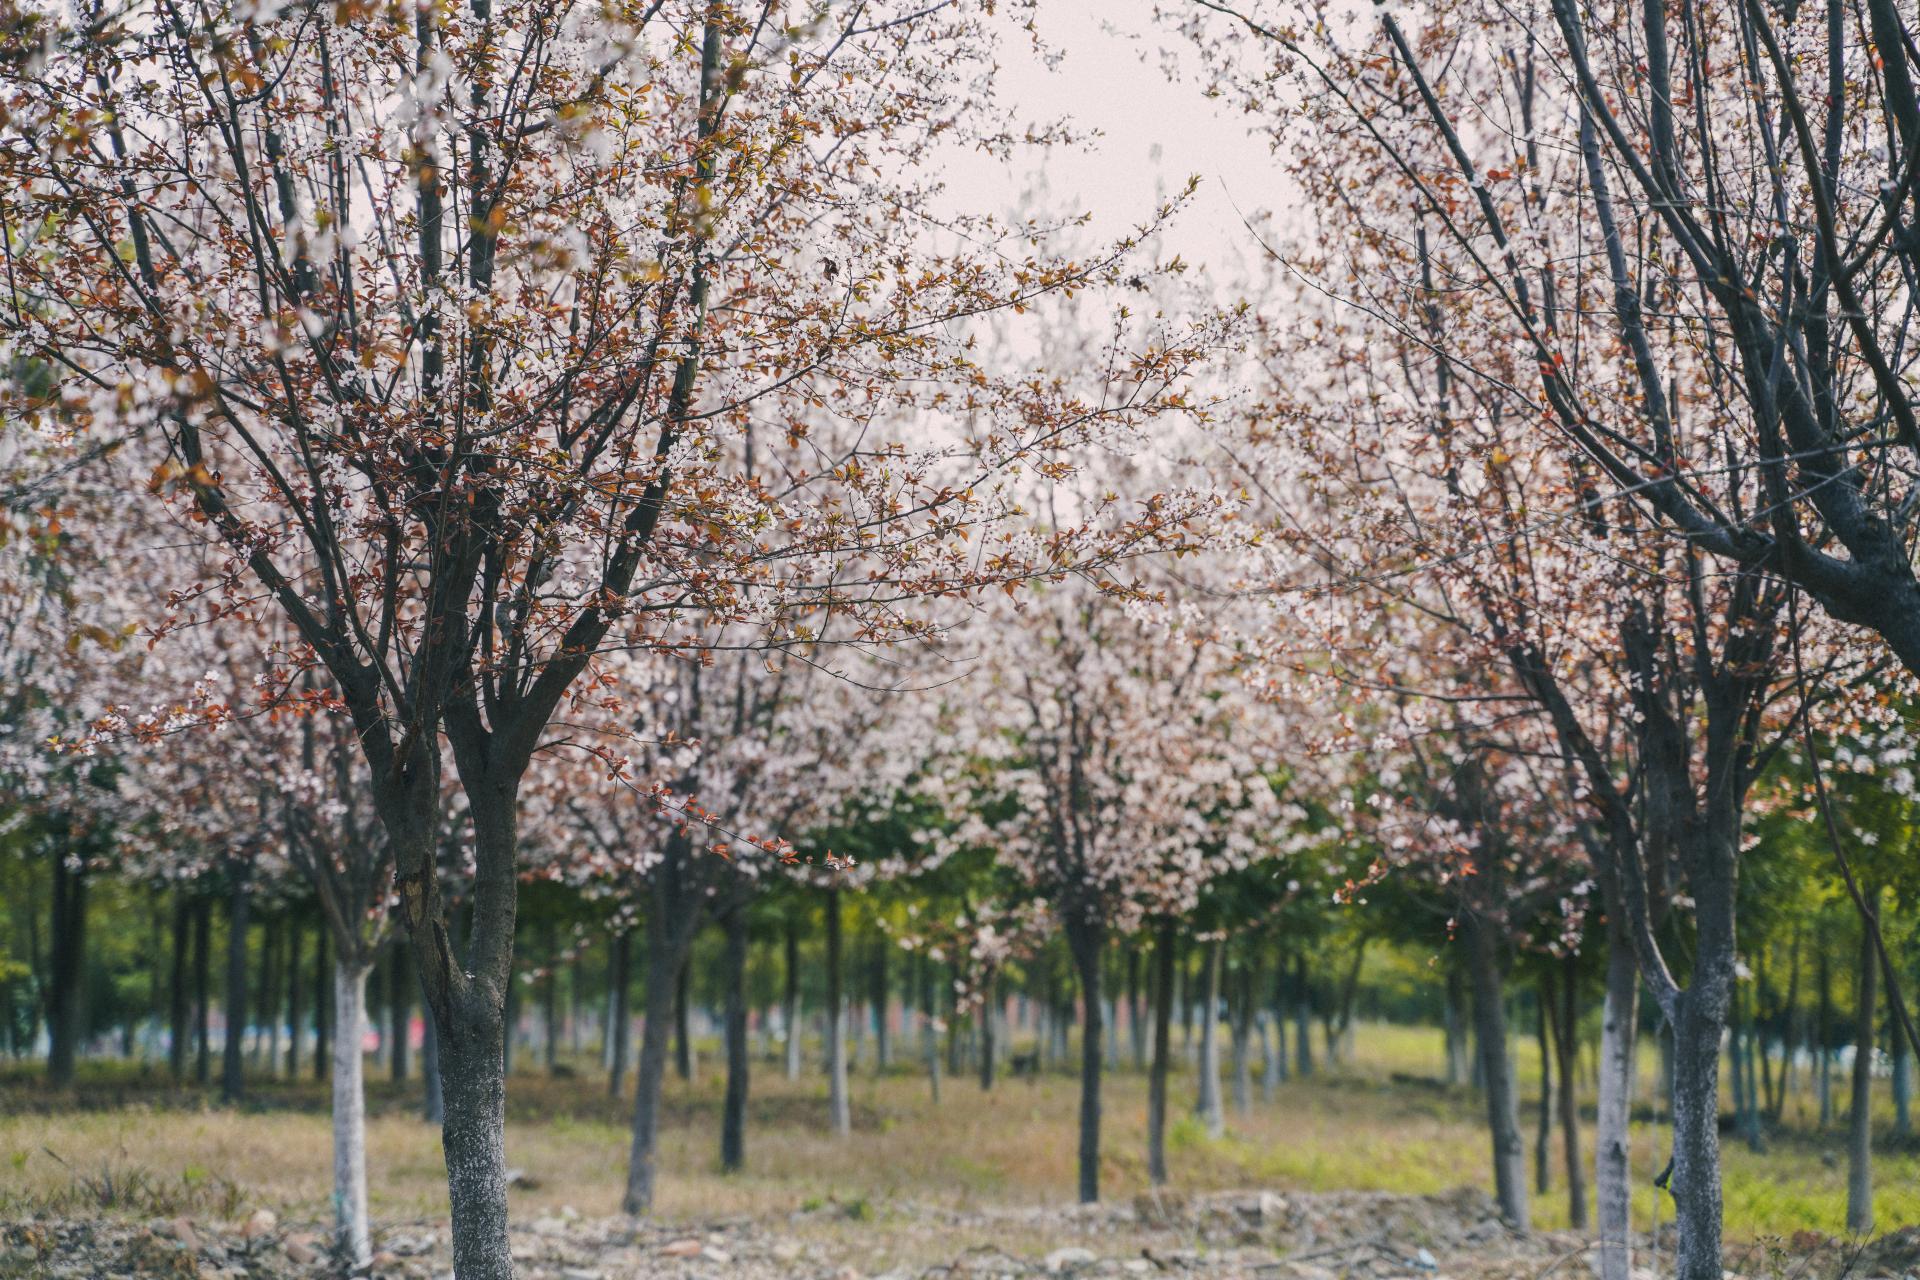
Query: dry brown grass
1013, 1146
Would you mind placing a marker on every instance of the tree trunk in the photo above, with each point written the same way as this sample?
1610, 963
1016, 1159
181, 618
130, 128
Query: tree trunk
878, 993
1458, 1020
1612, 1172
473, 1086
1566, 1053
1163, 979
609, 1020
295, 985
266, 1001
1860, 1112
65, 967
202, 995
1698, 1023
509, 1022
1790, 1030
352, 1231
1242, 1027
1269, 1060
1302, 1020
550, 999
989, 998
839, 1110
1277, 1016
323, 1016
400, 984
433, 1104
1207, 1103
1824, 1030
232, 1082
682, 1037
1902, 1085
1136, 1022
930, 1026
1543, 1131
1749, 1052
733, 1116
790, 1007
664, 960
619, 1033
179, 1000
1496, 1068
1087, 939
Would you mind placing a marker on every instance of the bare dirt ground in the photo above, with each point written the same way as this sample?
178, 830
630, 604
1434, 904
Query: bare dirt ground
1303, 1236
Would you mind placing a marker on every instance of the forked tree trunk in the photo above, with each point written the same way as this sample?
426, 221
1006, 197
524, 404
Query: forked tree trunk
733, 1116
1207, 1103
1087, 939
1860, 1112
352, 1232
1612, 1171
1496, 1069
1163, 979
839, 1108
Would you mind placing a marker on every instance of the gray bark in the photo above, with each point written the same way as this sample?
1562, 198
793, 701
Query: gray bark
790, 1009
733, 1117
1207, 1104
352, 1232
232, 1065
1611, 1171
1860, 1112
1086, 939
839, 1108
1163, 980
1496, 1069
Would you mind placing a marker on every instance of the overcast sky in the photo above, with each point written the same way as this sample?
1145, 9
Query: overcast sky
1111, 77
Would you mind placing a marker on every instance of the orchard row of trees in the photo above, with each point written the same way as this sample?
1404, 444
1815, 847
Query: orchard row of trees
460, 450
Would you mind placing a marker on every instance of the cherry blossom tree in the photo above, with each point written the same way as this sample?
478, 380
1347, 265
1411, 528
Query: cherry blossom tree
483, 339
1102, 772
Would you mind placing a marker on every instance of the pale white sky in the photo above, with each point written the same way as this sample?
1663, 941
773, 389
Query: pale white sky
1112, 75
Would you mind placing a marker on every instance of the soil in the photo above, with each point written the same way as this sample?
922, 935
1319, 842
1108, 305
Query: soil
1256, 1234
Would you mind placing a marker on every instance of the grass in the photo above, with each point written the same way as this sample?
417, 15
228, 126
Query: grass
126, 1141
